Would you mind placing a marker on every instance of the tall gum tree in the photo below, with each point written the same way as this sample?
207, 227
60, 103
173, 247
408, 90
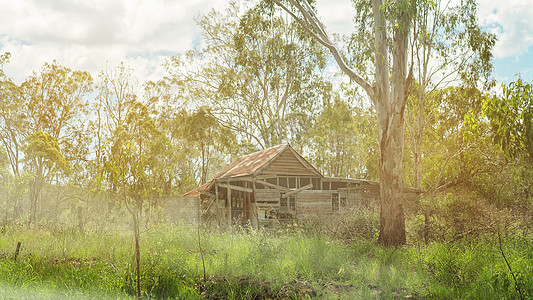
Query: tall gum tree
12, 122
55, 106
115, 96
182, 169
448, 48
199, 143
256, 71
388, 93
135, 150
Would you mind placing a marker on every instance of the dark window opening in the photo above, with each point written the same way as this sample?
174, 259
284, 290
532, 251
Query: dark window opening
337, 185
283, 182
316, 184
326, 186
335, 201
338, 201
292, 183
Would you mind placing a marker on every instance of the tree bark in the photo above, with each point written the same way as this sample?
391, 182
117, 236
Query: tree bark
391, 99
392, 224
36, 187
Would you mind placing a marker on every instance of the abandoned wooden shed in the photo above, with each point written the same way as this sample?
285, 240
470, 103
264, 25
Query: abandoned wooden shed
276, 184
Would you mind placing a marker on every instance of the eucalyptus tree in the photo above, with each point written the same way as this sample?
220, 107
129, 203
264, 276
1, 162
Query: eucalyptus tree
457, 149
343, 141
116, 93
199, 145
12, 120
177, 173
43, 155
255, 71
133, 155
448, 140
55, 106
448, 47
511, 120
202, 131
135, 149
387, 89
12, 130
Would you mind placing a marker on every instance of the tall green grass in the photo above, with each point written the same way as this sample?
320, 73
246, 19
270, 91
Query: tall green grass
247, 264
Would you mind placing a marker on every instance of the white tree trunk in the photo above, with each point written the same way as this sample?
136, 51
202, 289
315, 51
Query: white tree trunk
390, 100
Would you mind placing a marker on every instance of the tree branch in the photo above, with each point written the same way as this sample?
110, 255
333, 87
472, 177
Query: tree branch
312, 21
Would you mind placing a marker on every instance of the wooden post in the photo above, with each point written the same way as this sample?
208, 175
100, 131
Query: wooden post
253, 205
246, 197
247, 205
17, 250
228, 203
244, 205
217, 207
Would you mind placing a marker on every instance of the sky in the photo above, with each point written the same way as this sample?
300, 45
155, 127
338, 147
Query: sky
92, 34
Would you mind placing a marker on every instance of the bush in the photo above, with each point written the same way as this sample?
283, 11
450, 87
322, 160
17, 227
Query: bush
354, 224
457, 214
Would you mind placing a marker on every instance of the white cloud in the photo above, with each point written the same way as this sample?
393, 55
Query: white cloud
337, 16
88, 34
511, 21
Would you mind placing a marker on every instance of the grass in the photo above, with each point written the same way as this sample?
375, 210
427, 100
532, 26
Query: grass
245, 264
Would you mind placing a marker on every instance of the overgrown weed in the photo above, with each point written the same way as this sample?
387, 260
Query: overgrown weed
247, 264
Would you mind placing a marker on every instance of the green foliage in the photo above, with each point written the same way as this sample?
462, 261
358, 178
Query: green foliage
12, 118
54, 100
201, 130
343, 141
464, 271
43, 147
47, 112
256, 73
454, 151
512, 130
511, 119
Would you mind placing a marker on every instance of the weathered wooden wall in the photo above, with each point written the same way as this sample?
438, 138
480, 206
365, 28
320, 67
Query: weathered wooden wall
311, 203
289, 165
267, 202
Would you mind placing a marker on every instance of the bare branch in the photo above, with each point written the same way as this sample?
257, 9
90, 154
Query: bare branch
312, 21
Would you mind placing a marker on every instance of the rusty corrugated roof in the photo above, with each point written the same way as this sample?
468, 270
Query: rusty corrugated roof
196, 191
242, 166
248, 164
